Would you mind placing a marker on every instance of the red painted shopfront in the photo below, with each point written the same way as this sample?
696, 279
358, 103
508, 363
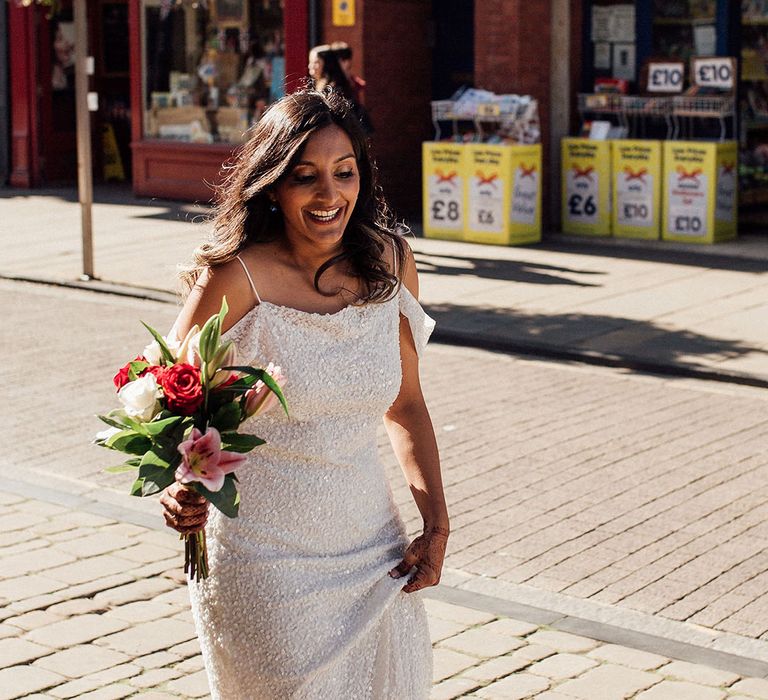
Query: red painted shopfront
177, 84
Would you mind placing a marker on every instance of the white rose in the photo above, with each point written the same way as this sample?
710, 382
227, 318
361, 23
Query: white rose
152, 353
140, 397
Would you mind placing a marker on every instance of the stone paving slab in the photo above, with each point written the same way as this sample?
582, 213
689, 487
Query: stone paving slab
691, 308
478, 652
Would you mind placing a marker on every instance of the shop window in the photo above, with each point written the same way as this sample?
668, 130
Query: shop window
210, 67
684, 28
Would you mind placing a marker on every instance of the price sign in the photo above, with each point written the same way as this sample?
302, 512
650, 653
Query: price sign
634, 197
665, 77
488, 109
725, 193
583, 194
486, 202
688, 202
525, 194
717, 73
445, 200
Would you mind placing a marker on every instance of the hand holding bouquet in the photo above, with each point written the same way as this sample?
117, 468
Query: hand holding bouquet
182, 404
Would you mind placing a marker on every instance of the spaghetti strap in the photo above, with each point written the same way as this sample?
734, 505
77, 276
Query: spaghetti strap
250, 279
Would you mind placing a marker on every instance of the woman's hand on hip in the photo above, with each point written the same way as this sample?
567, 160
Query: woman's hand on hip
426, 553
184, 510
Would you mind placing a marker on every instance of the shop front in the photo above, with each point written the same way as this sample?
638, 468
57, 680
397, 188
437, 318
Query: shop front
178, 84
685, 72
201, 74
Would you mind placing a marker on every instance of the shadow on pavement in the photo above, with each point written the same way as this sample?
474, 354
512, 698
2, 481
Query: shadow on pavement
504, 270
621, 341
656, 251
122, 195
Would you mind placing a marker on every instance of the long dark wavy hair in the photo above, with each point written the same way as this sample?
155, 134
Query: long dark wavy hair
371, 243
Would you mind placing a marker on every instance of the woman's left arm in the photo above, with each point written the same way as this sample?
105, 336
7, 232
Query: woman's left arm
413, 440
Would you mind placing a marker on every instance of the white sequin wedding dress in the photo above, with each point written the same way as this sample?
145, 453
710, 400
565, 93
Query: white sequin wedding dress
299, 603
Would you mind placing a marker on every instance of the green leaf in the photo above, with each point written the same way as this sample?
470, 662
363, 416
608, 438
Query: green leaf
128, 441
156, 472
227, 499
264, 376
227, 417
164, 350
138, 485
158, 427
240, 442
121, 468
113, 423
135, 368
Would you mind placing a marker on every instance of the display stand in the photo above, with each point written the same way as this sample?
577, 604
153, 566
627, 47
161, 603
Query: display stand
503, 194
586, 186
700, 190
484, 192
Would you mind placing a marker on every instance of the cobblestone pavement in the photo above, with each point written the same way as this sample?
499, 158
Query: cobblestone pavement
622, 491
96, 608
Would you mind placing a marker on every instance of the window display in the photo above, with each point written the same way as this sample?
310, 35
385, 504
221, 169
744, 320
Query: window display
210, 67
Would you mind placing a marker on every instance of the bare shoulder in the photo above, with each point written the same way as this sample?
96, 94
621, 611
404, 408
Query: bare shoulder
409, 274
227, 280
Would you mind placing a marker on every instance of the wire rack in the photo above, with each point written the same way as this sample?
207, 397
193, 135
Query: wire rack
639, 111
505, 114
686, 108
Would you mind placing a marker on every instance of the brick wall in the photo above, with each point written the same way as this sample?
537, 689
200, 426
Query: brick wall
389, 42
512, 53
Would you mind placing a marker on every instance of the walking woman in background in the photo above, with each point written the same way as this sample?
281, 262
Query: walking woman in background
312, 590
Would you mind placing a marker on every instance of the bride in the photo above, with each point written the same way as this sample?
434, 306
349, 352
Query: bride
313, 588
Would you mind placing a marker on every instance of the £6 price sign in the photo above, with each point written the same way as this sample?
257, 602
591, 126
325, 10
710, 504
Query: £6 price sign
586, 185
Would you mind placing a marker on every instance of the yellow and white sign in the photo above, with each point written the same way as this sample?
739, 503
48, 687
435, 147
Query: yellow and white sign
503, 194
586, 183
700, 191
637, 175
443, 176
343, 13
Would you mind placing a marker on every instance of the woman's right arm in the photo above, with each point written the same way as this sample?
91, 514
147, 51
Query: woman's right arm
185, 510
204, 299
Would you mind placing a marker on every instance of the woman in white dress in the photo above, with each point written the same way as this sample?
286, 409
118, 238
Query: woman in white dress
312, 589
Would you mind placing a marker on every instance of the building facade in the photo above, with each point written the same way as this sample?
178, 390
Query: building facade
178, 82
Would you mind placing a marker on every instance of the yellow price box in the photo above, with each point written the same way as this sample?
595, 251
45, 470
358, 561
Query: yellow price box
586, 183
503, 194
637, 175
700, 191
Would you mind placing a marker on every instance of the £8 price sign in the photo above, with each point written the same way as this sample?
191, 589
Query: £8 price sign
443, 189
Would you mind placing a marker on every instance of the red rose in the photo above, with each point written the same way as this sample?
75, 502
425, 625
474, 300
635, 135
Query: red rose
182, 388
157, 370
122, 378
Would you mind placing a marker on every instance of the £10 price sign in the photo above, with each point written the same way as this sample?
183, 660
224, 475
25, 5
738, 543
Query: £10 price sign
443, 182
637, 189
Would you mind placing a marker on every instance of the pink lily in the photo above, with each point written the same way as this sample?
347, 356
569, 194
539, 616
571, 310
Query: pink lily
203, 460
261, 398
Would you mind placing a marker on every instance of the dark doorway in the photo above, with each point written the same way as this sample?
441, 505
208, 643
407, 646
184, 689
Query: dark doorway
453, 63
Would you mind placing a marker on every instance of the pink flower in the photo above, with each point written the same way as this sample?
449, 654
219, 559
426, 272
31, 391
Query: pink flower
261, 398
203, 460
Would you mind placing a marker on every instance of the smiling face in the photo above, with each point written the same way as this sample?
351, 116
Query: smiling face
318, 196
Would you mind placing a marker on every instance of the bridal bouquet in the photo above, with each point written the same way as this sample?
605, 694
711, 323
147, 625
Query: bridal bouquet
182, 404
